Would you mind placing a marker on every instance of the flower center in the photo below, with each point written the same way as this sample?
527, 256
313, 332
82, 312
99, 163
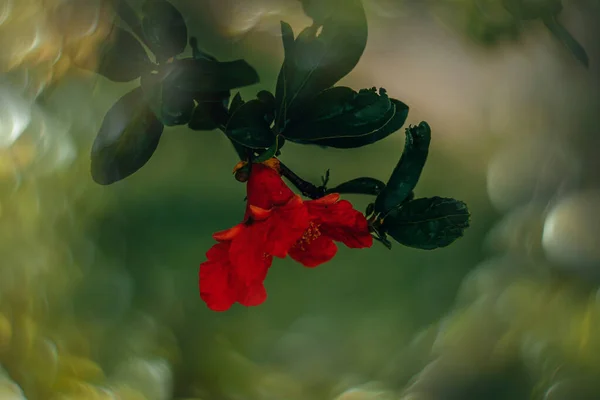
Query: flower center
310, 234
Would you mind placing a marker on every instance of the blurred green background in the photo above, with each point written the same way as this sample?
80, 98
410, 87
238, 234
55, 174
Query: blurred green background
98, 285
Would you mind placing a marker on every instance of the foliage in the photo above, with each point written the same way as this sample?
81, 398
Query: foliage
306, 108
492, 21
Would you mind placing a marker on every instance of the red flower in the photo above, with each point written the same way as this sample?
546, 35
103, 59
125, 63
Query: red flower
277, 223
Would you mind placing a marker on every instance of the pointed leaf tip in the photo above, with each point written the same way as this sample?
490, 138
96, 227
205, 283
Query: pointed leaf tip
407, 172
164, 29
128, 137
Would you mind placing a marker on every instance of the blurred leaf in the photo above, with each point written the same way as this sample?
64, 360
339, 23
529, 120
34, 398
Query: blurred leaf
363, 185
201, 75
164, 29
407, 172
489, 22
563, 35
247, 126
198, 54
170, 105
210, 111
342, 118
128, 16
123, 58
128, 137
321, 55
427, 223
532, 9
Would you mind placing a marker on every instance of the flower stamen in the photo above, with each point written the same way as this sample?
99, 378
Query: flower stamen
310, 234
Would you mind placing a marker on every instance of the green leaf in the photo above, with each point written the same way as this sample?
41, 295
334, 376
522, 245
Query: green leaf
320, 56
247, 126
164, 29
236, 102
128, 137
268, 153
267, 98
198, 54
122, 59
427, 223
532, 9
407, 172
170, 105
201, 75
363, 185
488, 22
564, 36
210, 111
342, 118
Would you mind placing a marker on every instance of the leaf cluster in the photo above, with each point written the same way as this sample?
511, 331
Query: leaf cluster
306, 107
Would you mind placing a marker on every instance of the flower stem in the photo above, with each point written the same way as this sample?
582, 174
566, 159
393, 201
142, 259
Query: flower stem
308, 189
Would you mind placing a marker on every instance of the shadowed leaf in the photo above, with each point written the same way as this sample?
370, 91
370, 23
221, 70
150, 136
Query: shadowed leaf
170, 105
164, 29
128, 137
270, 152
427, 223
407, 172
321, 55
122, 59
202, 75
532, 9
210, 111
248, 126
363, 185
236, 102
564, 36
342, 118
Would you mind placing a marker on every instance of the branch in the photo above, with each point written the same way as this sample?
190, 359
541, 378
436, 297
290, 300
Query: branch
306, 188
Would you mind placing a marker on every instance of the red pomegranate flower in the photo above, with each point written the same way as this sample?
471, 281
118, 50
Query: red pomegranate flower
277, 223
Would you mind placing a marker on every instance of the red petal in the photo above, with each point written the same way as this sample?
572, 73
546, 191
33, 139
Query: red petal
341, 222
317, 252
247, 253
214, 279
285, 226
253, 295
266, 189
228, 234
258, 214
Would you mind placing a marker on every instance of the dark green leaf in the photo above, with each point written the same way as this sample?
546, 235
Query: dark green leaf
122, 59
236, 102
407, 172
170, 105
198, 54
127, 15
320, 56
342, 118
210, 112
532, 9
164, 29
565, 37
201, 75
247, 126
428, 223
128, 137
267, 98
268, 153
363, 185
